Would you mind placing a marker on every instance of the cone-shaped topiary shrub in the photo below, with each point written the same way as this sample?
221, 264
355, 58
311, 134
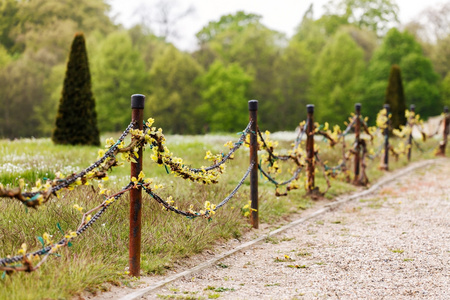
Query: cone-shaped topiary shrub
395, 97
76, 120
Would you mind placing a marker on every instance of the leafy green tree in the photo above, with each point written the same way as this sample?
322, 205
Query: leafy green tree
211, 36
244, 40
205, 56
224, 91
149, 45
395, 97
334, 83
5, 58
293, 68
8, 11
422, 84
36, 34
231, 22
76, 121
45, 112
311, 33
376, 15
21, 89
427, 97
446, 90
419, 79
256, 49
118, 72
366, 39
331, 23
41, 23
397, 45
175, 93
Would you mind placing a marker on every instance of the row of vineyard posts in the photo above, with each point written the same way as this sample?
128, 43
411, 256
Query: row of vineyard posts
252, 132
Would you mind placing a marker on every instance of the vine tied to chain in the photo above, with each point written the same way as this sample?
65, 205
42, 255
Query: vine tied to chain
24, 262
209, 209
104, 163
13, 263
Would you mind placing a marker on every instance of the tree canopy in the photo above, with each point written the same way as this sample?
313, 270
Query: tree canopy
332, 60
335, 76
234, 22
119, 72
224, 91
376, 15
420, 80
175, 93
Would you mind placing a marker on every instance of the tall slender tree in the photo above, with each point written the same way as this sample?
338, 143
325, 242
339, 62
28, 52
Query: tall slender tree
76, 121
395, 97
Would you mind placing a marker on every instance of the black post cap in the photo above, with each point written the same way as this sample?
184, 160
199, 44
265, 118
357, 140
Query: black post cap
137, 101
412, 107
310, 108
446, 109
253, 105
358, 107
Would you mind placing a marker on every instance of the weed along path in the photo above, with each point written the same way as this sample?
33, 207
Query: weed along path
391, 244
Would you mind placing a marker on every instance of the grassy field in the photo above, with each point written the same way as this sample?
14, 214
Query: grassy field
101, 254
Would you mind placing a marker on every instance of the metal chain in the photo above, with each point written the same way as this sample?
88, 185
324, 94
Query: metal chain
9, 260
300, 136
349, 127
237, 145
195, 215
271, 179
271, 154
96, 164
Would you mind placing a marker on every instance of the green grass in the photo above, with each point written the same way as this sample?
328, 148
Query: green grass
219, 289
100, 255
400, 251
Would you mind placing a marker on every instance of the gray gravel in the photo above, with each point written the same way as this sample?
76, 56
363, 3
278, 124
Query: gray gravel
392, 245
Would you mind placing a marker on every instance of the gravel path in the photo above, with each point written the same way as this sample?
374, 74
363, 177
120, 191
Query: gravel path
394, 244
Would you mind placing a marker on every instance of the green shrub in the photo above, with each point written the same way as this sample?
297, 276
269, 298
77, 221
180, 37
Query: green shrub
395, 97
76, 121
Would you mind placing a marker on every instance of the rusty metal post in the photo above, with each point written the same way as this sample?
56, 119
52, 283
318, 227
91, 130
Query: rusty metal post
386, 139
134, 250
253, 116
443, 144
357, 163
412, 109
310, 147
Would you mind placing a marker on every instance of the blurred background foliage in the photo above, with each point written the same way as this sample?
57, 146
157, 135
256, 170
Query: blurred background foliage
340, 58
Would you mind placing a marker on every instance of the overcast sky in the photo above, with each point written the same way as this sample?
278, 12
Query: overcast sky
280, 15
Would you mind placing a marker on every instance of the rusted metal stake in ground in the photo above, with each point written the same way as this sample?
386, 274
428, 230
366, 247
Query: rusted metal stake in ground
443, 144
356, 179
412, 109
253, 115
385, 165
310, 147
134, 258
